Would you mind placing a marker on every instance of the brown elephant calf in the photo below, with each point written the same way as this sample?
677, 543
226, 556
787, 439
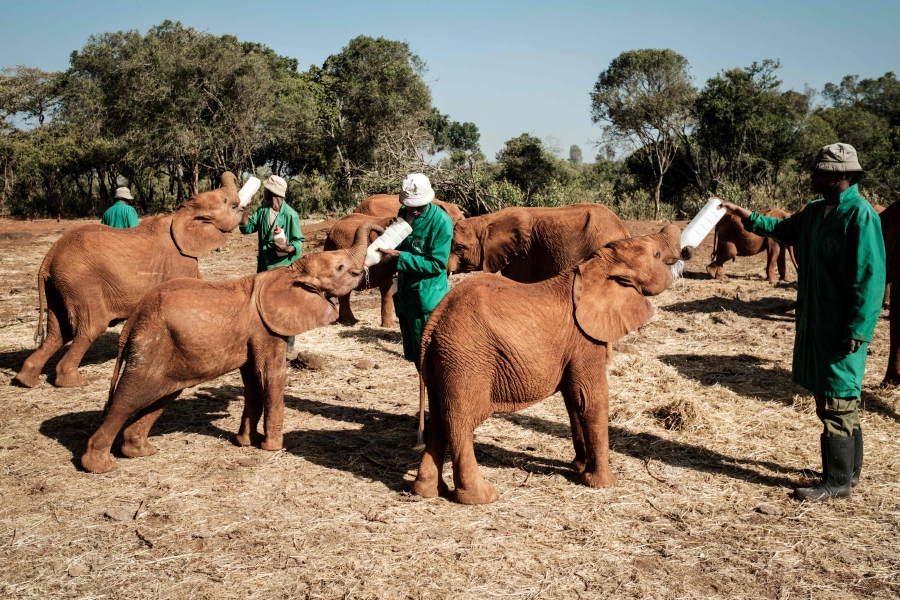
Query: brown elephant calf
731, 240
188, 331
495, 345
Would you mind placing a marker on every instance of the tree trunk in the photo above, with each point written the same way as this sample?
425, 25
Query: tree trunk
194, 183
658, 188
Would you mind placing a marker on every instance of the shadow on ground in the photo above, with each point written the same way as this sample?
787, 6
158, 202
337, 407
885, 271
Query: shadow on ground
383, 339
769, 309
103, 349
646, 446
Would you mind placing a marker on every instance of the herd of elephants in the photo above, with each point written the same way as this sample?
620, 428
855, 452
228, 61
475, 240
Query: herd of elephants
561, 285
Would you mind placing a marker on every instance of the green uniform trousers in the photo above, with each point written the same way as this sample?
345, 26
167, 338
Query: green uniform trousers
839, 415
411, 326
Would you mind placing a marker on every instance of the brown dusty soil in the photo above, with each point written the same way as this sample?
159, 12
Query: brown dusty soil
700, 510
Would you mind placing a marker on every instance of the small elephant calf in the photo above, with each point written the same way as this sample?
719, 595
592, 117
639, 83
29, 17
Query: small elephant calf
495, 345
188, 331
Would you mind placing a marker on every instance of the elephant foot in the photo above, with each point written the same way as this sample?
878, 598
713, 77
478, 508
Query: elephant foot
27, 379
599, 478
348, 320
69, 379
388, 323
138, 448
484, 493
97, 462
248, 439
579, 465
272, 444
430, 489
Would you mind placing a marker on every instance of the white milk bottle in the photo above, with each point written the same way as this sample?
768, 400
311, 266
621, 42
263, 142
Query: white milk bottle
390, 239
280, 238
703, 223
247, 192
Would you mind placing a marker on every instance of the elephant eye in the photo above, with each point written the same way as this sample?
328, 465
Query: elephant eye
340, 268
657, 255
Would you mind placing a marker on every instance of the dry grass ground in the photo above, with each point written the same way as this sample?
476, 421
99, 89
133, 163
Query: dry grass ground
708, 436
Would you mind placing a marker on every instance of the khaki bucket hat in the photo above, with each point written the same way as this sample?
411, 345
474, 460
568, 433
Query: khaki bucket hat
123, 193
276, 185
840, 158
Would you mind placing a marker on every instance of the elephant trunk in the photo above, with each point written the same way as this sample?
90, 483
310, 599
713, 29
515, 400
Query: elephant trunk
361, 241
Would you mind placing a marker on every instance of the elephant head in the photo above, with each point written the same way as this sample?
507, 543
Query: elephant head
292, 299
489, 242
610, 288
199, 225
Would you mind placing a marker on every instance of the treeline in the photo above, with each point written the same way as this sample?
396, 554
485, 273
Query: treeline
166, 112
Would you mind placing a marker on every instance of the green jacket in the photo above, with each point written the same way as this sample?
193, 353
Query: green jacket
422, 266
289, 221
120, 216
840, 287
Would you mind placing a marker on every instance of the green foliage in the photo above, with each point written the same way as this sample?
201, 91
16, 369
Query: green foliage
528, 165
575, 156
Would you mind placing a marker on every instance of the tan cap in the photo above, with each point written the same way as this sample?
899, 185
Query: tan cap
124, 193
839, 158
276, 185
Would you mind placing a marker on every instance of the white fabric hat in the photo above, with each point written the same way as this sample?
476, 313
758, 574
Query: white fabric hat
124, 193
276, 185
416, 190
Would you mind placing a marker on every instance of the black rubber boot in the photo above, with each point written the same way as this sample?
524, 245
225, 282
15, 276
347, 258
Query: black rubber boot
857, 457
823, 474
838, 459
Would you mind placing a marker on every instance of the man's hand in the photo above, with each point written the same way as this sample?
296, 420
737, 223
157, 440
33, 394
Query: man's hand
388, 254
283, 247
852, 345
742, 213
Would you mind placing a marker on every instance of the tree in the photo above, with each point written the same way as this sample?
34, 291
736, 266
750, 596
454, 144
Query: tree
643, 99
373, 96
575, 156
527, 164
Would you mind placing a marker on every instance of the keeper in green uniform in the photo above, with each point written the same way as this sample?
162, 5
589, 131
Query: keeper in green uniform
120, 215
840, 287
421, 261
273, 216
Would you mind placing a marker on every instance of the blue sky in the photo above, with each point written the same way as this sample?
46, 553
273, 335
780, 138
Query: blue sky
509, 67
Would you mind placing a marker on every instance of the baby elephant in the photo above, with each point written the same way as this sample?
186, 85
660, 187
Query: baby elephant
494, 345
188, 331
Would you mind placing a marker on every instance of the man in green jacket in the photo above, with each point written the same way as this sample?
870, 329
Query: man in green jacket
271, 220
421, 261
840, 287
120, 215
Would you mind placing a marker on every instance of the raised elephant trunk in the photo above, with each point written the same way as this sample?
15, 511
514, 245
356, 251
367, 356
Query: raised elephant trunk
361, 241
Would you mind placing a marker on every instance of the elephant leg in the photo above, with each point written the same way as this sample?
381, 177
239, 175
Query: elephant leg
886, 302
725, 251
782, 262
131, 394
387, 303
587, 390
345, 313
892, 377
136, 443
57, 335
248, 434
273, 406
470, 486
67, 374
580, 461
429, 481
773, 251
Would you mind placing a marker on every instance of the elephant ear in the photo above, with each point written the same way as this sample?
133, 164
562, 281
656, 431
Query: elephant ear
508, 235
286, 306
194, 233
607, 308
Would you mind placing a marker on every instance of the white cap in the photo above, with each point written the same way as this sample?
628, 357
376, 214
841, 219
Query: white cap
416, 190
276, 185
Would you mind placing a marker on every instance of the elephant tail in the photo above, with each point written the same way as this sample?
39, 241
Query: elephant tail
715, 251
420, 433
793, 254
39, 333
120, 359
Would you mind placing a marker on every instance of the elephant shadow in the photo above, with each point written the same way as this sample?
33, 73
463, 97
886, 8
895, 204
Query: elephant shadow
104, 348
380, 450
646, 446
748, 376
769, 309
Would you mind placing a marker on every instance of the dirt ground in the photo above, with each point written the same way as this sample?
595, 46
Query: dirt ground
708, 435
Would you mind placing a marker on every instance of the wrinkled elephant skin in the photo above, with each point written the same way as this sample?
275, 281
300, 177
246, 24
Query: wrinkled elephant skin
94, 276
496, 345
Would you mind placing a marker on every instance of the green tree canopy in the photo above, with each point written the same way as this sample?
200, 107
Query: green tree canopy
527, 164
